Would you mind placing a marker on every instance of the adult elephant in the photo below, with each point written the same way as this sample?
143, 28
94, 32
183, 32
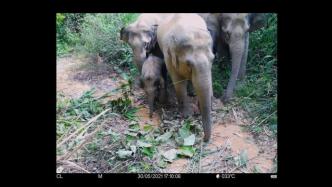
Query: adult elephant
232, 39
141, 36
187, 48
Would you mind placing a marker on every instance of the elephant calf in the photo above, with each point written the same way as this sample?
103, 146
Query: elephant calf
153, 81
187, 48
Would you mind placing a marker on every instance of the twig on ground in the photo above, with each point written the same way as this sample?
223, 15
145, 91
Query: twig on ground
72, 164
235, 116
266, 118
86, 139
118, 165
84, 126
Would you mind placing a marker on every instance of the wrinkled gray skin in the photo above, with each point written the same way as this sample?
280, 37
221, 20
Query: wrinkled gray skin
232, 40
140, 35
153, 81
187, 48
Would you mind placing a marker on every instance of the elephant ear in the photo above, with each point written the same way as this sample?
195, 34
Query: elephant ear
153, 35
256, 20
124, 34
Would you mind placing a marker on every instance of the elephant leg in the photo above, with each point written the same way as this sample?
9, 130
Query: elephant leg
242, 71
180, 85
163, 92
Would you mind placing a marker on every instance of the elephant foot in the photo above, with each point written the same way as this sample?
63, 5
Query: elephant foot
207, 138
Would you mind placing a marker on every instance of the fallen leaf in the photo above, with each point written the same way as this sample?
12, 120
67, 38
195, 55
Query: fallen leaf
147, 128
186, 151
170, 155
124, 153
148, 151
190, 140
143, 144
184, 132
161, 164
131, 133
164, 137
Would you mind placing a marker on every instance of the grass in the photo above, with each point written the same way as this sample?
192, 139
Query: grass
71, 113
257, 93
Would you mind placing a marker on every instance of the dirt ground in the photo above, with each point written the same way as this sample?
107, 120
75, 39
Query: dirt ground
76, 75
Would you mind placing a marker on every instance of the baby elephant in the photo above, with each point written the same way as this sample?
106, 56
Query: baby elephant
153, 81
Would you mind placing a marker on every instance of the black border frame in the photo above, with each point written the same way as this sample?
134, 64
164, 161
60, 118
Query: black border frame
140, 6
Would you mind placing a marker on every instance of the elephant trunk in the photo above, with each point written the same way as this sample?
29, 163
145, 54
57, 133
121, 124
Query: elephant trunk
237, 51
139, 58
151, 99
203, 86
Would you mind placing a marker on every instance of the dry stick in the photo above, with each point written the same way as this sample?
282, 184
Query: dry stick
84, 126
235, 115
221, 151
126, 165
65, 134
87, 137
72, 164
266, 118
119, 165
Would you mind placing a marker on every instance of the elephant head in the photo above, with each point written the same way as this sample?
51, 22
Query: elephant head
152, 81
187, 47
141, 36
235, 28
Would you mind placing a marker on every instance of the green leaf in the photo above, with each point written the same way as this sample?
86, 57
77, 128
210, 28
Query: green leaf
131, 133
129, 139
143, 144
147, 128
170, 155
243, 157
179, 140
148, 151
186, 151
190, 140
122, 153
134, 128
161, 163
164, 137
184, 132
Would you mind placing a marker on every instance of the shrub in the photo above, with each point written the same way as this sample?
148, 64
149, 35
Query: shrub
100, 35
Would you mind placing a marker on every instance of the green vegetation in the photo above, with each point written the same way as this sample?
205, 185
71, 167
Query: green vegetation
257, 94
